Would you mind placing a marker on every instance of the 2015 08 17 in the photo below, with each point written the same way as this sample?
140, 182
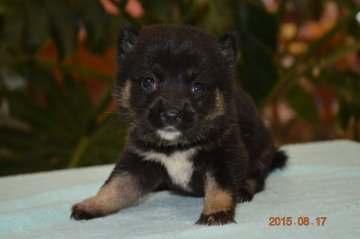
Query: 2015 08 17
297, 221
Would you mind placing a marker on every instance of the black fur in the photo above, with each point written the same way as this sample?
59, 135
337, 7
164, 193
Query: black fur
221, 124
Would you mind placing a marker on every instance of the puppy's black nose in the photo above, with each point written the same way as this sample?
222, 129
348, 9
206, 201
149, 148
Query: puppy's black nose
171, 117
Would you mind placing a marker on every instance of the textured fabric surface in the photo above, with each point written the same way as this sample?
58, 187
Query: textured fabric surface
321, 180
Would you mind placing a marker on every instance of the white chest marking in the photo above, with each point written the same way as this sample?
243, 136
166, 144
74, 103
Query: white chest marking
178, 165
168, 135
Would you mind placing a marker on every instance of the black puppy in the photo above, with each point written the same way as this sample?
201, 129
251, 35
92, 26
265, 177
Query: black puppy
190, 129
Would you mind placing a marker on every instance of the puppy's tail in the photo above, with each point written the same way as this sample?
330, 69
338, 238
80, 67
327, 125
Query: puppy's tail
279, 160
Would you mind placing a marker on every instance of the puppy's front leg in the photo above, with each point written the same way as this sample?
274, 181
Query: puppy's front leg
219, 207
131, 179
120, 191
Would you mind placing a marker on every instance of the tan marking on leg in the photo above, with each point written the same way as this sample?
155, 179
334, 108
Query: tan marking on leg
121, 191
219, 106
216, 198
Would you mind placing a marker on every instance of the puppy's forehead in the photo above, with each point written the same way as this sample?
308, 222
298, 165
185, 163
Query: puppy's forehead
179, 51
169, 41
185, 71
169, 35
187, 65
164, 63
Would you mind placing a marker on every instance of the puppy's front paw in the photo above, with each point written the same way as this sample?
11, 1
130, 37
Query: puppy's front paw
81, 212
217, 218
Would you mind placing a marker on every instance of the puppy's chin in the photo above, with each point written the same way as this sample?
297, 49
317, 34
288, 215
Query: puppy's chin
168, 133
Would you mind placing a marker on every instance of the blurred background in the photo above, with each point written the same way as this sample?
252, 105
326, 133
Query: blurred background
300, 60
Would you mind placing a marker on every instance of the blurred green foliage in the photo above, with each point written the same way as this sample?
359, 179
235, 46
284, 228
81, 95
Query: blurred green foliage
47, 117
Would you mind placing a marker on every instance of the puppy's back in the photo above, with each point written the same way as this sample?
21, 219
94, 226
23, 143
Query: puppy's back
256, 137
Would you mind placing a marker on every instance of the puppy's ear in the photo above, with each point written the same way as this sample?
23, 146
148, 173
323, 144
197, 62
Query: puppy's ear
229, 45
126, 39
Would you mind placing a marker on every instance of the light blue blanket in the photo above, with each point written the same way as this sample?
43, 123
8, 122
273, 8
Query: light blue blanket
321, 180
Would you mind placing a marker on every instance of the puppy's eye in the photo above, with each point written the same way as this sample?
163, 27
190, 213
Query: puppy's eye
148, 83
198, 87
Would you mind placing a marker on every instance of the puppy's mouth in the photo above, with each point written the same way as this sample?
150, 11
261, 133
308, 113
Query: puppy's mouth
169, 133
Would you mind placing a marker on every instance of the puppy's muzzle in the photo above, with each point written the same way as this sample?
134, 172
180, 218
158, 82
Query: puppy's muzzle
174, 113
171, 117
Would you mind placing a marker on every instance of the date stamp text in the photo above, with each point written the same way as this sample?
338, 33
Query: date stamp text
297, 221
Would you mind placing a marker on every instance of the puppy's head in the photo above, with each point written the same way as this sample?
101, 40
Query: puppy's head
174, 82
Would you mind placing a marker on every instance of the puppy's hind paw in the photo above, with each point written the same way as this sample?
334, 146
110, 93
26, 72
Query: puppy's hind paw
216, 219
244, 196
80, 213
